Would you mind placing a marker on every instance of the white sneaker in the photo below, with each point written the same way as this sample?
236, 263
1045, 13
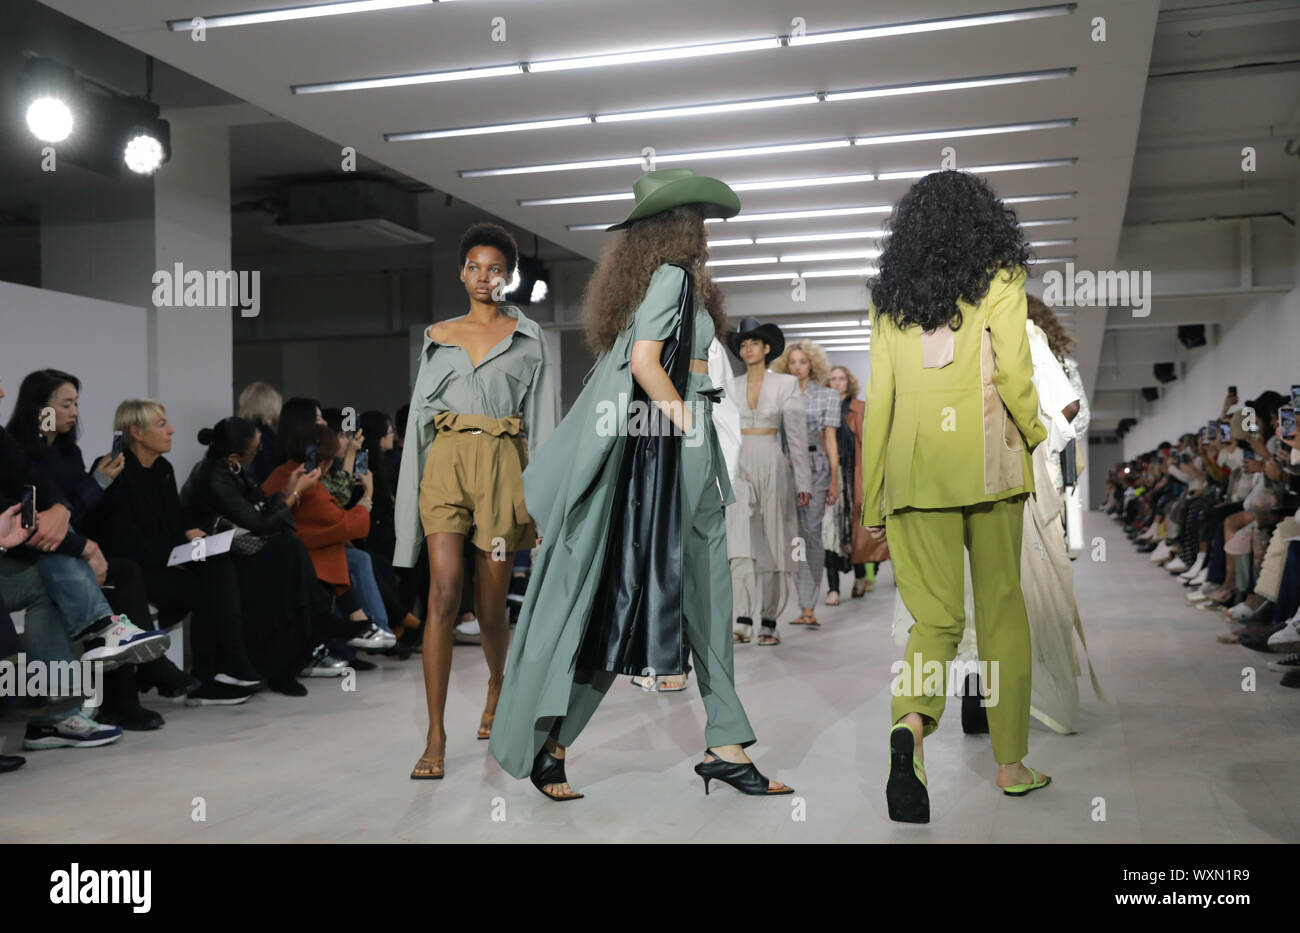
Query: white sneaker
1176, 566
1162, 553
375, 637
1289, 634
1199, 580
1196, 596
125, 642
1195, 568
467, 633
77, 731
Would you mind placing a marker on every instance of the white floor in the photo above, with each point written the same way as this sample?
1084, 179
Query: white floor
1181, 754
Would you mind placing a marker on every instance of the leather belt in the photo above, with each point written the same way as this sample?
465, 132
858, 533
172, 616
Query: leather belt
477, 424
812, 447
759, 430
700, 366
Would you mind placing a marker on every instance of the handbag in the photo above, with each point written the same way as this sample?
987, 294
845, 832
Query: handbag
245, 544
635, 625
1069, 463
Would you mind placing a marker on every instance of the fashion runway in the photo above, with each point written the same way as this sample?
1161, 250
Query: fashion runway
1182, 753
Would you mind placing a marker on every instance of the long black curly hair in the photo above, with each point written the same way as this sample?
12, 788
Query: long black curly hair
945, 240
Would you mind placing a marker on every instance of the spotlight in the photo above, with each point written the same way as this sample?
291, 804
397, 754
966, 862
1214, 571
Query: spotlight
47, 92
1151, 393
1165, 372
533, 282
146, 142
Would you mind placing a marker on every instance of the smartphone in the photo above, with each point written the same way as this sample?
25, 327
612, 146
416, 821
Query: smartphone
1295, 397
1225, 432
28, 511
361, 466
119, 443
1248, 453
309, 463
1286, 414
1232, 390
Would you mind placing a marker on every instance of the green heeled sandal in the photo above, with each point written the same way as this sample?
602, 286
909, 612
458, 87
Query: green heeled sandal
1019, 790
907, 790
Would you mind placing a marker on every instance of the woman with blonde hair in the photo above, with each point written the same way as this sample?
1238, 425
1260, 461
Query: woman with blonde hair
807, 362
260, 405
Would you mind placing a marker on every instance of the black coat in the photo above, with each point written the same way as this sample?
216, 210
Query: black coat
213, 491
18, 470
141, 515
65, 467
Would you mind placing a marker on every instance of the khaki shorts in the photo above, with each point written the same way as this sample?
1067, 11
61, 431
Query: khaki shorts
473, 478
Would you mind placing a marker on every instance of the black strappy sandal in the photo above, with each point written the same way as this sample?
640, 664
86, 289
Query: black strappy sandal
743, 776
547, 769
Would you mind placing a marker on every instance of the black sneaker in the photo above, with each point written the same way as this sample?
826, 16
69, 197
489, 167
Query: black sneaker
216, 693
361, 664
289, 686
1285, 665
11, 762
135, 719
1291, 679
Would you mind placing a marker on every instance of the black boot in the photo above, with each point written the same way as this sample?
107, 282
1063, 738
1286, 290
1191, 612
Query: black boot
974, 718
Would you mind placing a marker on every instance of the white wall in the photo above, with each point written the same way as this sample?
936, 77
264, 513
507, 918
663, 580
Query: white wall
1258, 350
102, 343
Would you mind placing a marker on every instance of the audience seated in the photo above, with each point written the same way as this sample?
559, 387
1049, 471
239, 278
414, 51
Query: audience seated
1219, 509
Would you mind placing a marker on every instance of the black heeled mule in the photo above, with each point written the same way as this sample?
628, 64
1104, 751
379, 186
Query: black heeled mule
974, 718
743, 776
547, 769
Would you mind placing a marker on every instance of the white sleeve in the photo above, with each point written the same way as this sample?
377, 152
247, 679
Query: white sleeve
726, 416
1054, 390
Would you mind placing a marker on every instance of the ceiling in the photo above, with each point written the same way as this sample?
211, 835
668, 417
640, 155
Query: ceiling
1101, 98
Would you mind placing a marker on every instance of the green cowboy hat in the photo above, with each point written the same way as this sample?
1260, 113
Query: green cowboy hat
656, 192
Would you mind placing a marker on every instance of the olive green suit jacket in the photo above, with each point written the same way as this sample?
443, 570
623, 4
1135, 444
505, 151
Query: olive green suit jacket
954, 434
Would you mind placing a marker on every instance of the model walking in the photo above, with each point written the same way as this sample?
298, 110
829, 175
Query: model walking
484, 379
951, 418
763, 524
807, 362
598, 578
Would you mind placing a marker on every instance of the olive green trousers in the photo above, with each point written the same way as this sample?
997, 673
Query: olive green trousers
926, 546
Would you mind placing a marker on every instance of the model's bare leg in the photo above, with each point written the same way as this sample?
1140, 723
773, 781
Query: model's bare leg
491, 584
446, 566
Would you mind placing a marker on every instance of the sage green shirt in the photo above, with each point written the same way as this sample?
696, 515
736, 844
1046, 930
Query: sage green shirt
515, 378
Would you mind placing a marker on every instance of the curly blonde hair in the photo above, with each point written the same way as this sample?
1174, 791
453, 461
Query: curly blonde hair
853, 384
1060, 342
623, 274
821, 367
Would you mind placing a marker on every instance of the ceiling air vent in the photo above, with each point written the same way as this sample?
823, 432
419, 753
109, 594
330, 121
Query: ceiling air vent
350, 214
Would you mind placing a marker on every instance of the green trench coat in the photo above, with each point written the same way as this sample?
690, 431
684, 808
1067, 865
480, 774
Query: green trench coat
568, 488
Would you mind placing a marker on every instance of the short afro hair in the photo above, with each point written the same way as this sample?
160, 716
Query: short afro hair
493, 235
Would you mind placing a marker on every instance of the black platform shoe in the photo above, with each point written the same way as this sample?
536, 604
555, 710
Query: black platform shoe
743, 776
547, 769
974, 718
906, 791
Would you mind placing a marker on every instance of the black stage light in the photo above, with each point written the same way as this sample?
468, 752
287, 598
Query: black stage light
49, 99
534, 282
1191, 335
1165, 372
1150, 393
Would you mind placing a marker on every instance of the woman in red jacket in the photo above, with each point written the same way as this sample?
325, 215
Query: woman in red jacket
323, 526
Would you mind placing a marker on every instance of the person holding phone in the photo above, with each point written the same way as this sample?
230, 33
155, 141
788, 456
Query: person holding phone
286, 614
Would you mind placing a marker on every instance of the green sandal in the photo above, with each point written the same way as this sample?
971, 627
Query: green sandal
1019, 790
907, 790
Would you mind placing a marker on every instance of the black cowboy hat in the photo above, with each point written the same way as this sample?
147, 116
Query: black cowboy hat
768, 333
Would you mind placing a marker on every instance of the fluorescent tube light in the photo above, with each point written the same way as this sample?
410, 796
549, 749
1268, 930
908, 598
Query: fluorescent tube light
828, 257
931, 25
958, 84
482, 130
431, 77
748, 261
815, 237
732, 241
981, 169
654, 55
291, 13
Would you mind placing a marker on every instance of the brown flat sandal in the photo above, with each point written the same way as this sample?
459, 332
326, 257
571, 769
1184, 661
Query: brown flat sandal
434, 773
485, 725
804, 620
738, 638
